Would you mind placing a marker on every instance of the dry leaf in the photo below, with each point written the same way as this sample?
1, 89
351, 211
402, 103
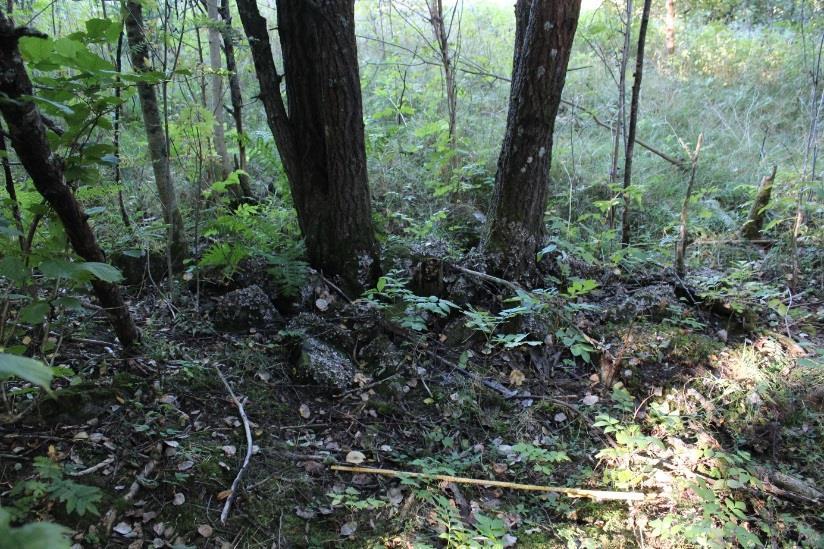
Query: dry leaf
355, 457
499, 468
590, 400
124, 529
321, 304
223, 494
348, 528
205, 530
180, 499
304, 411
516, 378
229, 450
186, 465
560, 417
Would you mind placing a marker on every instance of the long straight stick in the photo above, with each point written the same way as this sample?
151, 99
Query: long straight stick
597, 495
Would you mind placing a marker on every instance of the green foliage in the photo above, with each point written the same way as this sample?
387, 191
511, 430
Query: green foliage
33, 535
51, 485
27, 369
391, 291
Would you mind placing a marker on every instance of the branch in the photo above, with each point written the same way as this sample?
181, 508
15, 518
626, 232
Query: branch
597, 495
249, 447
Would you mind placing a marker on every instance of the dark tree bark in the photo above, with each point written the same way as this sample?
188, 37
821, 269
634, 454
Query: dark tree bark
544, 33
633, 122
321, 138
28, 137
235, 94
158, 149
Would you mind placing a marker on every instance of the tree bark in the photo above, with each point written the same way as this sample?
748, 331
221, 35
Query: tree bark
683, 231
321, 139
669, 31
633, 122
751, 230
235, 95
441, 33
544, 33
158, 149
28, 137
222, 166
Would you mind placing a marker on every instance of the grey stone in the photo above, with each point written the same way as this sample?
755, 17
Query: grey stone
240, 310
325, 365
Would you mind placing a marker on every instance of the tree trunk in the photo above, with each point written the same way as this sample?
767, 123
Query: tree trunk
670, 27
683, 231
321, 139
221, 166
235, 95
441, 34
633, 122
28, 137
158, 150
751, 230
619, 128
544, 33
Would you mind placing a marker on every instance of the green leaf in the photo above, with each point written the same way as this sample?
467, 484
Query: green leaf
35, 313
29, 369
34, 49
103, 29
103, 271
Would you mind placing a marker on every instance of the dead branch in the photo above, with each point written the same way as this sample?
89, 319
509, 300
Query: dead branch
597, 495
246, 427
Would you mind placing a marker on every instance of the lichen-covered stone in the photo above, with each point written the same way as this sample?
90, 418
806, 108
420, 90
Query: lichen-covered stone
241, 310
325, 365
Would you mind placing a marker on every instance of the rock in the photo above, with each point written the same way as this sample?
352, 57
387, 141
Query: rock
240, 310
324, 364
137, 265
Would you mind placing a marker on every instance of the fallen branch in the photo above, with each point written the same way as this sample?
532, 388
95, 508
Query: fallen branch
235, 483
108, 520
597, 495
93, 468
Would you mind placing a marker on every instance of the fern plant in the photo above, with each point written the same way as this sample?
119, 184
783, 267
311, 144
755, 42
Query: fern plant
50, 484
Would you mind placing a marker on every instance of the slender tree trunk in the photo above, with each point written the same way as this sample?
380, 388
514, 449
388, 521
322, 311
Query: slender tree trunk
12, 192
441, 33
670, 27
223, 166
619, 128
235, 95
544, 33
28, 137
681, 249
633, 122
321, 140
751, 230
158, 149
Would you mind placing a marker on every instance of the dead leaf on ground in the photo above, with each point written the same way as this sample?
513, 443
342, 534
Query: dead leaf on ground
348, 528
516, 378
205, 530
355, 457
304, 411
180, 499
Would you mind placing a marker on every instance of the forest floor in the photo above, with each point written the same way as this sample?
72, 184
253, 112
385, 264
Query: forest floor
718, 420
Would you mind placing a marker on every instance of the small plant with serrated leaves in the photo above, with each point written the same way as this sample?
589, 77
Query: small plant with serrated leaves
51, 485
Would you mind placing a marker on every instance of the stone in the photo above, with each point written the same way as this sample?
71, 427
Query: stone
243, 309
324, 364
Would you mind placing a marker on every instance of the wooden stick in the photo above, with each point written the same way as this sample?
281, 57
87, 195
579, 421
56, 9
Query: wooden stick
230, 500
597, 495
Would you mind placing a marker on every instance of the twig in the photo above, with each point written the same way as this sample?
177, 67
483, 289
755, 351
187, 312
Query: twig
597, 495
93, 468
341, 292
229, 500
